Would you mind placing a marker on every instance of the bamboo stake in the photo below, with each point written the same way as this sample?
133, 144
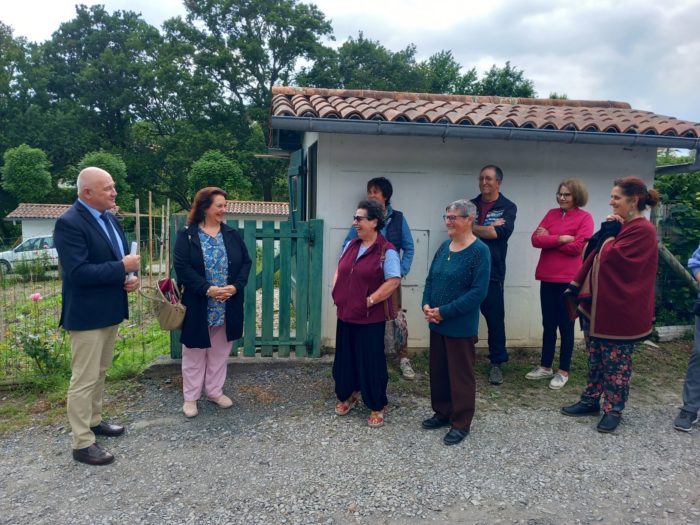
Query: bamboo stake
161, 241
137, 214
150, 238
167, 236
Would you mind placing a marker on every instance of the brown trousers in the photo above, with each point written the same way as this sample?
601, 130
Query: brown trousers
452, 378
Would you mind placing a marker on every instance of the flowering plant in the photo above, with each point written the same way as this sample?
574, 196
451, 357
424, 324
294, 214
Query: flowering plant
35, 343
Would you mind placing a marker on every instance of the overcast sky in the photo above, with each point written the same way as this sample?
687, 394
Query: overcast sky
645, 52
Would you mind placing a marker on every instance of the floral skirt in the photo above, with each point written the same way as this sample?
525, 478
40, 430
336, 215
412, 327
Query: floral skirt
609, 373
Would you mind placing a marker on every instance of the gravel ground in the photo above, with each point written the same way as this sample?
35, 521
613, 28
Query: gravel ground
280, 455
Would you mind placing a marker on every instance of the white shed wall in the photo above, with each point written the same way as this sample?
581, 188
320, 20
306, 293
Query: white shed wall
259, 219
37, 227
427, 174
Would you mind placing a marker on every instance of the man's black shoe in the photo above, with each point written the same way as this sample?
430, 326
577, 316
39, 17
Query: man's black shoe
454, 436
93, 455
608, 423
581, 409
435, 422
105, 429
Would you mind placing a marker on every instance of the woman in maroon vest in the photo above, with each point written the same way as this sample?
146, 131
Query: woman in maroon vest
614, 290
367, 274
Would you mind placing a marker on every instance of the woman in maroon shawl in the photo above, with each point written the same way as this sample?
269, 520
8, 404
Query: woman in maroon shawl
614, 293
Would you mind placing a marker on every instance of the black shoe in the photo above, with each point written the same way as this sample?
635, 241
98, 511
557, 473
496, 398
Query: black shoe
93, 455
581, 409
435, 422
495, 375
105, 429
454, 436
608, 423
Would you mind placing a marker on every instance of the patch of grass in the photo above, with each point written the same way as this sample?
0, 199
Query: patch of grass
262, 395
25, 406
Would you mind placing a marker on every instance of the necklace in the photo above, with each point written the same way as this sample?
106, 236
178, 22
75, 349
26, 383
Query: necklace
459, 246
450, 252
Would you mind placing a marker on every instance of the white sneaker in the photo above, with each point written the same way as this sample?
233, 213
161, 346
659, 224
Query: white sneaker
406, 369
539, 373
558, 381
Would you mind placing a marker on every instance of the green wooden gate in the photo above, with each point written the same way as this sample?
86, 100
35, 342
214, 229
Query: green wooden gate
295, 254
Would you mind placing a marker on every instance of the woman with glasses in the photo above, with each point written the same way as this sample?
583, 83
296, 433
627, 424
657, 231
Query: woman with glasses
368, 272
561, 236
457, 283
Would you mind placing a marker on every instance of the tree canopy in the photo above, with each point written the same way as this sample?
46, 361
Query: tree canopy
159, 107
25, 173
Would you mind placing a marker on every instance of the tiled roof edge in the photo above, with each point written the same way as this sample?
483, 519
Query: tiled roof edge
431, 97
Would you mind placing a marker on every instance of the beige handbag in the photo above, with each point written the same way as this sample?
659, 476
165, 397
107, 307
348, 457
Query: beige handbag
167, 303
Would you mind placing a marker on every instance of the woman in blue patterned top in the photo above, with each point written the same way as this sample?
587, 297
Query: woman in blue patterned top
212, 265
457, 282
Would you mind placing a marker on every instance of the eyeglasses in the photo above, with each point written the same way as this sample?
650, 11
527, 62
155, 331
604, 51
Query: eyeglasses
452, 218
564, 195
359, 218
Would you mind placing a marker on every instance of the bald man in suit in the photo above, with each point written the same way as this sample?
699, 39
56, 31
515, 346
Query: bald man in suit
96, 268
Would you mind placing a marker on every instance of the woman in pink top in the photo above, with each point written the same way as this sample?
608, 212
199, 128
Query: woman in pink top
561, 236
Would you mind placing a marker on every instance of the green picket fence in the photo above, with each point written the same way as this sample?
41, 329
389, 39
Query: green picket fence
295, 254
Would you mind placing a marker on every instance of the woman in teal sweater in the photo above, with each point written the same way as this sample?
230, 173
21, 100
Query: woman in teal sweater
456, 284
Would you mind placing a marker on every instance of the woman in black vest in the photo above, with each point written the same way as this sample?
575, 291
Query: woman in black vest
397, 232
367, 274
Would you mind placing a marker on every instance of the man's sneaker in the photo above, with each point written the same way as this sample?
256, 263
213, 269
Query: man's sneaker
539, 373
406, 369
495, 375
685, 421
558, 381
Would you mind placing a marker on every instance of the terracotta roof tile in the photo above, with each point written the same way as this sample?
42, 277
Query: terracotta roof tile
38, 211
257, 208
580, 115
54, 211
42, 211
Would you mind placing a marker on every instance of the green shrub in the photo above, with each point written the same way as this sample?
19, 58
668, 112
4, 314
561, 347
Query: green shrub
679, 229
35, 269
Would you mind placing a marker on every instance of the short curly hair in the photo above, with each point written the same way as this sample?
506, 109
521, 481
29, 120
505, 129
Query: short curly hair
374, 211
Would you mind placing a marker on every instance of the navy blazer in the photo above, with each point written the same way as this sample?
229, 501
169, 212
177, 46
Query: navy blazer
188, 261
93, 273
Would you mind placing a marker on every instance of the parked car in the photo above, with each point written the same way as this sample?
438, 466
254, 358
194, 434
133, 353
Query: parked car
32, 249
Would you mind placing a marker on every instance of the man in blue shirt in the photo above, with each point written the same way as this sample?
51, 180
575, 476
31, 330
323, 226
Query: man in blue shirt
688, 415
97, 272
397, 232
